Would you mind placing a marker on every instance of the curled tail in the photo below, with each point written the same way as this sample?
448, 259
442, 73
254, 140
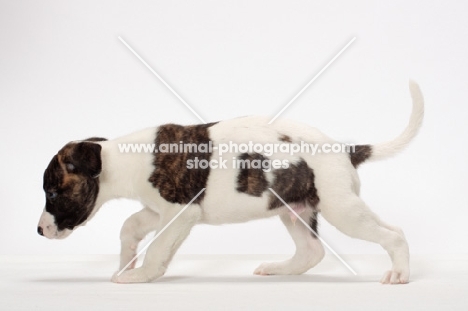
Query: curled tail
387, 149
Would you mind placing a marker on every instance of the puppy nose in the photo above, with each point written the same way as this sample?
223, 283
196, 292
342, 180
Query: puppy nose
39, 230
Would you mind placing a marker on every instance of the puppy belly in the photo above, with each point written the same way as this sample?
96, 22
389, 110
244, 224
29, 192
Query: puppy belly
236, 211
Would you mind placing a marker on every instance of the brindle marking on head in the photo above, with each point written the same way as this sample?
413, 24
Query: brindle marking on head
251, 180
361, 153
175, 182
96, 139
285, 138
71, 174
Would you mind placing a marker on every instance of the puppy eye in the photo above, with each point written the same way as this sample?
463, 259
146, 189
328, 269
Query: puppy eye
51, 195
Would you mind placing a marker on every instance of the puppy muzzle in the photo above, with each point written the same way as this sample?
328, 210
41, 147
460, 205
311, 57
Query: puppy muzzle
48, 228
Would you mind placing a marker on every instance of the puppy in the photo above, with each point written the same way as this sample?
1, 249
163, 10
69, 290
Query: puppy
223, 186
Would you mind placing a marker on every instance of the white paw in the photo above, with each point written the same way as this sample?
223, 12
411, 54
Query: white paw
138, 275
115, 277
395, 277
263, 269
278, 268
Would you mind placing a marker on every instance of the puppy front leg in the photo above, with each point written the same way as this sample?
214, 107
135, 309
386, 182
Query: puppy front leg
163, 248
134, 229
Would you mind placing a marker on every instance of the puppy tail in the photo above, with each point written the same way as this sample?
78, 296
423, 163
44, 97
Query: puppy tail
388, 149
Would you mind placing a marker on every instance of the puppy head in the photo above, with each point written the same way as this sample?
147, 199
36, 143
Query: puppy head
71, 185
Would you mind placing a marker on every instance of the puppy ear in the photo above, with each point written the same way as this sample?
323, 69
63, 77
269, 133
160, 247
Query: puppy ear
85, 158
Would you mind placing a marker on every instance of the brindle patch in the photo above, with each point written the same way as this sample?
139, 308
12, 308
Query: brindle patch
294, 185
71, 191
251, 180
313, 223
175, 182
285, 138
361, 153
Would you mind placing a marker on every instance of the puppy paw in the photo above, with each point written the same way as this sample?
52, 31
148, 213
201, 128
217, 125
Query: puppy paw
263, 269
395, 277
274, 268
138, 275
115, 277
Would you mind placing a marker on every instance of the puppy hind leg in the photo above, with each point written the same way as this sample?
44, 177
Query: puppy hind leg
134, 229
392, 228
309, 249
355, 219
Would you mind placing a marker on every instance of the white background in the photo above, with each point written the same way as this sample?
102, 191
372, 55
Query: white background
64, 75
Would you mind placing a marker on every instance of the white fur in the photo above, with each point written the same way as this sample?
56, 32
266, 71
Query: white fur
50, 230
336, 180
390, 148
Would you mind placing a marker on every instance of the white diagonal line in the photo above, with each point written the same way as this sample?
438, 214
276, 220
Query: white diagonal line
160, 232
161, 79
313, 231
313, 79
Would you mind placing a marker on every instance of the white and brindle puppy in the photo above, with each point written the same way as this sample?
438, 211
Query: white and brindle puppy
84, 175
